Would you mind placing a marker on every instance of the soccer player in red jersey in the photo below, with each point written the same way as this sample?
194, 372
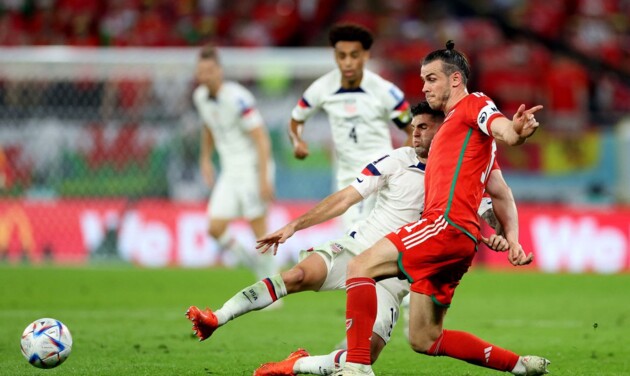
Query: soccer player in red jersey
435, 252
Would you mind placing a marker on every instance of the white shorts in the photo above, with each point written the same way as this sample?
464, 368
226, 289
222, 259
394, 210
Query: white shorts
236, 198
389, 293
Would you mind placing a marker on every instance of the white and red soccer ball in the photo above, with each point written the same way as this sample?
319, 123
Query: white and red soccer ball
46, 343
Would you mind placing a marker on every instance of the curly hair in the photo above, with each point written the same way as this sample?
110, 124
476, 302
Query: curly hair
424, 108
350, 33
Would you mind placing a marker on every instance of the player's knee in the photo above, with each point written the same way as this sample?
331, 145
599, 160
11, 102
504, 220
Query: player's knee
422, 342
294, 279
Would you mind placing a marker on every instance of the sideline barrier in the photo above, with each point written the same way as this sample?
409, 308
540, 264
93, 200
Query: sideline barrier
158, 233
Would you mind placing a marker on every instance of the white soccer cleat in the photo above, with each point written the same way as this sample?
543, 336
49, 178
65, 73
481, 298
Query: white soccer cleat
354, 369
534, 365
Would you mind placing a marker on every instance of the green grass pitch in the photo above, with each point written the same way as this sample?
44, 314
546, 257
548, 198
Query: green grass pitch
129, 321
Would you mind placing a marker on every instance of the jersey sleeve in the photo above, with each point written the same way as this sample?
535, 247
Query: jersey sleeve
375, 175
485, 112
197, 97
250, 116
399, 108
495, 165
308, 104
485, 205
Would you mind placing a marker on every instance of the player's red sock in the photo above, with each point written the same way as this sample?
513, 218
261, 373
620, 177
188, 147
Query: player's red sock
467, 347
360, 317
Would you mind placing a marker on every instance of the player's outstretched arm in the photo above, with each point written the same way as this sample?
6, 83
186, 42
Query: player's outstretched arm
516, 131
504, 207
330, 207
300, 147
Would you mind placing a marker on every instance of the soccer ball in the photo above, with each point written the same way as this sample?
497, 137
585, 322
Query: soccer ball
46, 343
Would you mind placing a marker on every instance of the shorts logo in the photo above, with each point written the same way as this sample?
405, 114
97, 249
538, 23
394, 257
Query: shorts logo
336, 248
348, 324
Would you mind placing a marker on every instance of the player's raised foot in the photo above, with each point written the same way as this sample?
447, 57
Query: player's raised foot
534, 366
354, 369
204, 322
283, 367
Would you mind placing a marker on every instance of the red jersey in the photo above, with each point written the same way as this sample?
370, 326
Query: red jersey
459, 163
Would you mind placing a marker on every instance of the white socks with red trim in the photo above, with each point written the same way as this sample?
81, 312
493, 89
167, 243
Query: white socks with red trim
252, 298
320, 364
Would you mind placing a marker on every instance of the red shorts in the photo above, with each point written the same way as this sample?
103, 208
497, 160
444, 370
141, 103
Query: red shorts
433, 256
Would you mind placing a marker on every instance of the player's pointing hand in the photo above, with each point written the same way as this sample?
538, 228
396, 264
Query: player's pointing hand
524, 122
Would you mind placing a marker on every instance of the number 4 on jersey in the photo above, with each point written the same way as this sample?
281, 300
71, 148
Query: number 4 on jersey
353, 134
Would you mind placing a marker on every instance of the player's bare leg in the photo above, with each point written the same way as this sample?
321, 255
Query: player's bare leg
309, 274
218, 230
427, 336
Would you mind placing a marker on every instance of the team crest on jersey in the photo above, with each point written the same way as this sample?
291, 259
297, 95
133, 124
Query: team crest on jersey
448, 116
336, 248
350, 105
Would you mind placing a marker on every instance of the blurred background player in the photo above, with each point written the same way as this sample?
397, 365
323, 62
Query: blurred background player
435, 252
244, 187
360, 106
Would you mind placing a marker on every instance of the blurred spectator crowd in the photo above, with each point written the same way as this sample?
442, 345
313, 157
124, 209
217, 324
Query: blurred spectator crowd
508, 66
573, 56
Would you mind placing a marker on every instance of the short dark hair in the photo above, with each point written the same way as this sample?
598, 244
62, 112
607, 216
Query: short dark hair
424, 108
350, 33
209, 51
452, 60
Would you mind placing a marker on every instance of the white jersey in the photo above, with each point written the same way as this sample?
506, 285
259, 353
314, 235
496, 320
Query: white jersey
230, 116
398, 179
359, 118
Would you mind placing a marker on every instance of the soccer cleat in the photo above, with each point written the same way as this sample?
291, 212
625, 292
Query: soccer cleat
204, 322
535, 365
354, 369
283, 367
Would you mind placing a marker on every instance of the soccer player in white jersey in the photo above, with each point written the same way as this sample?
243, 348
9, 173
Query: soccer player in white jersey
397, 179
360, 106
244, 186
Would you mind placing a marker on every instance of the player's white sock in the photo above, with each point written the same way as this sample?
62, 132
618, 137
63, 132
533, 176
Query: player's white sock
519, 368
320, 364
252, 298
227, 242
